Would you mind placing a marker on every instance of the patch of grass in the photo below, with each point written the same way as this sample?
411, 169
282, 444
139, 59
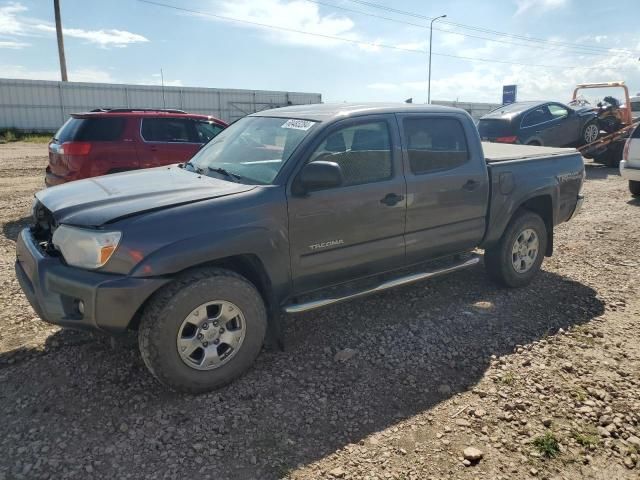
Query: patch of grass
8, 136
36, 138
579, 394
547, 445
508, 378
11, 135
586, 439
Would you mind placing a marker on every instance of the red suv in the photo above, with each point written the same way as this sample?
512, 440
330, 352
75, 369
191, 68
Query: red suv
108, 141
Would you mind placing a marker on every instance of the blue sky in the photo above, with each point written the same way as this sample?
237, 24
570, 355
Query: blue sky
128, 41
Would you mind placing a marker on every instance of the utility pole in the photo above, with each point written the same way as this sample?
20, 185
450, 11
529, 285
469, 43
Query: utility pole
63, 61
430, 42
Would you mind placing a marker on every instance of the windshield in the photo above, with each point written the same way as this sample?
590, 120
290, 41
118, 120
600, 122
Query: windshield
252, 150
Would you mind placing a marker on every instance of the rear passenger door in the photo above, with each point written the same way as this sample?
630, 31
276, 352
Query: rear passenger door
166, 141
447, 185
537, 125
565, 128
356, 229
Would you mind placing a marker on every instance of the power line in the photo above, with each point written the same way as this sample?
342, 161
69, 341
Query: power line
403, 22
353, 41
493, 32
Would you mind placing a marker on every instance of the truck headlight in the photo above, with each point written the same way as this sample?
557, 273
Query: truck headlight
85, 248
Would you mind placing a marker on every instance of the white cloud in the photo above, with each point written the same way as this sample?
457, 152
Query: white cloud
295, 15
483, 81
75, 75
538, 6
103, 38
13, 26
9, 24
156, 79
421, 46
383, 86
12, 44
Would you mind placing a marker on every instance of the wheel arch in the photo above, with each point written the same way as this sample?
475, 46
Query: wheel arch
542, 205
249, 266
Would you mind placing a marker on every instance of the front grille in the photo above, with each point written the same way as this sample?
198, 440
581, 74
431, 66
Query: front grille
44, 224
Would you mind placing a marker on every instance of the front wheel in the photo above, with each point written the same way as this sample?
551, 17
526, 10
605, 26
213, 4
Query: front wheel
203, 330
634, 188
590, 132
517, 257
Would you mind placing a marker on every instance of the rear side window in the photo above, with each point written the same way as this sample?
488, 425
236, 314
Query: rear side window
536, 116
174, 130
363, 152
635, 106
435, 144
90, 130
636, 133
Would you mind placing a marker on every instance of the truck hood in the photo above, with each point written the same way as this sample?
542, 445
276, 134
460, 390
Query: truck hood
100, 200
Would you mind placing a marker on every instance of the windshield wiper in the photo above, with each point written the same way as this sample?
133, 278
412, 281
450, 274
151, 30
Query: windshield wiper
224, 172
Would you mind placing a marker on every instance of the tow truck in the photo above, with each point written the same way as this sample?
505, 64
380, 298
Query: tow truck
616, 122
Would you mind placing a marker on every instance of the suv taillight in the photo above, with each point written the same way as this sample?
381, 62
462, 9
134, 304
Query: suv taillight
75, 148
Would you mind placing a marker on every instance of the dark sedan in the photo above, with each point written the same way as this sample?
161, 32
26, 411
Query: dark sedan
539, 123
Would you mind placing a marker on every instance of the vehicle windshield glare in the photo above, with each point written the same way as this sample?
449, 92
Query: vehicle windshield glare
253, 149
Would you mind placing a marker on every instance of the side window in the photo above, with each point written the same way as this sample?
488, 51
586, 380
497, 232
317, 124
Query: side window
534, 117
558, 111
175, 130
100, 130
363, 152
206, 131
435, 144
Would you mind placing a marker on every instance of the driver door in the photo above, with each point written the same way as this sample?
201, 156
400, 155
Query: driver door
357, 229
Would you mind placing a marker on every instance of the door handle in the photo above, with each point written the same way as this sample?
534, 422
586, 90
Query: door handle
392, 199
470, 185
154, 149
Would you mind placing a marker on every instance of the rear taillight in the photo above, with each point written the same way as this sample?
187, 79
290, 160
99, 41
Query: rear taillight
625, 152
513, 139
75, 148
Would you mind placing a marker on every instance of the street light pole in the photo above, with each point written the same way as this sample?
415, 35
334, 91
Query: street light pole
430, 42
63, 61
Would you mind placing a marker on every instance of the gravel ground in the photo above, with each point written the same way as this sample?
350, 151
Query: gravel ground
450, 378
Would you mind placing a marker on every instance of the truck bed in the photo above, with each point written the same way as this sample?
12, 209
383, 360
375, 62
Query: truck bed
503, 152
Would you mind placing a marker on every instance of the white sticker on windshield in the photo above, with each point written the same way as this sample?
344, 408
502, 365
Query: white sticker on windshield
298, 124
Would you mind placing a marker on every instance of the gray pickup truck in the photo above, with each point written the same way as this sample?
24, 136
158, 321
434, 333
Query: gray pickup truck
286, 211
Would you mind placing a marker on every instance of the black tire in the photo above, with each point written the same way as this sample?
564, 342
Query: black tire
167, 309
583, 136
534, 143
498, 259
634, 188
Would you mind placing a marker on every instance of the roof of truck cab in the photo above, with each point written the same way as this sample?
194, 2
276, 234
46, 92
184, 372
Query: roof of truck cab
322, 112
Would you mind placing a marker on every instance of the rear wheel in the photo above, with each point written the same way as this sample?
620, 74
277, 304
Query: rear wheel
634, 188
534, 143
517, 257
203, 330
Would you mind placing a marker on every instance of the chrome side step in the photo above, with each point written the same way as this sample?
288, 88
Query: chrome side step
416, 277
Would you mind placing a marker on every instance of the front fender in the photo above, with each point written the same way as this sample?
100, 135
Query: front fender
269, 246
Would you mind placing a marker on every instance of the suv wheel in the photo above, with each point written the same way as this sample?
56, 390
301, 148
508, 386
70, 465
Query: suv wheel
634, 188
203, 330
517, 257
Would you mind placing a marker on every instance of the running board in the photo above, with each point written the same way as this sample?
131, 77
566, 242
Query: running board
416, 277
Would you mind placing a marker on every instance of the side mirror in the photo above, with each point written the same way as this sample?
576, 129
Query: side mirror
318, 176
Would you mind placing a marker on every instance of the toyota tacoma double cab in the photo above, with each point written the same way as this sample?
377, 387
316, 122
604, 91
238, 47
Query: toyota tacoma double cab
285, 211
